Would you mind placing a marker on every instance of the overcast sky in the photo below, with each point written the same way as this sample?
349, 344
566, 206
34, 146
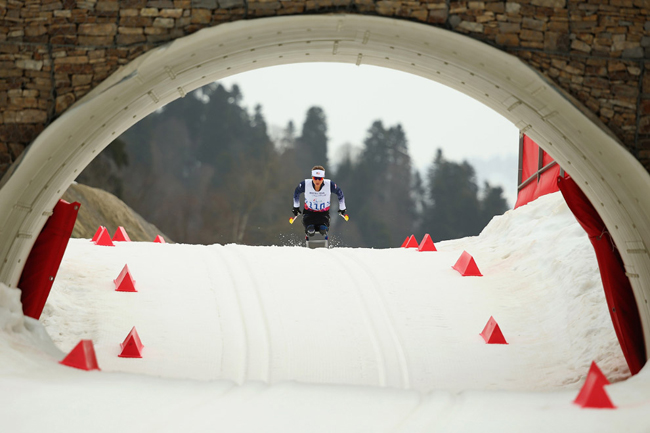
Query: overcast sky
431, 114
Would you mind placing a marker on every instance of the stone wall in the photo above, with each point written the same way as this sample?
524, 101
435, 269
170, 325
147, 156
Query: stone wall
53, 52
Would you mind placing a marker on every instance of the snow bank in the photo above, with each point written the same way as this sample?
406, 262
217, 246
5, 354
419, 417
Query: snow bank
543, 247
24, 343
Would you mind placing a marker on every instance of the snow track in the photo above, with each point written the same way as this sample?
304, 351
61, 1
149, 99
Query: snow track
371, 294
373, 340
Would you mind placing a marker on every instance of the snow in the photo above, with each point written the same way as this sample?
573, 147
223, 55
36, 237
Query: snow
245, 339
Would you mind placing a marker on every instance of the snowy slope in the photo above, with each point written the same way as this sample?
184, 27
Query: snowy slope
254, 339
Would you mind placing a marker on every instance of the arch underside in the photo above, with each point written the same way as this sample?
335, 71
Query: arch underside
613, 180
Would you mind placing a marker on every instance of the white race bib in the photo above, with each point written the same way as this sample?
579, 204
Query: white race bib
318, 201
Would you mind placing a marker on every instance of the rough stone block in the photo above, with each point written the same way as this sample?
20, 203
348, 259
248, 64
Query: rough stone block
32, 31
420, 15
130, 30
470, 26
156, 31
487, 18
507, 39
149, 12
437, 16
229, 4
63, 102
34, 65
129, 12
549, 3
606, 112
533, 44
160, 4
625, 91
509, 28
457, 8
558, 26
95, 40
596, 82
81, 80
171, 13
107, 6
71, 60
513, 7
63, 29
533, 24
166, 23
30, 116
580, 46
256, 5
644, 125
531, 35
616, 66
634, 70
496, 7
633, 53
204, 4
201, 16
130, 39
128, 21
98, 29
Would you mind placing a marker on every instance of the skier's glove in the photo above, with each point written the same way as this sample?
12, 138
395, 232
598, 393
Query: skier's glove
296, 211
343, 212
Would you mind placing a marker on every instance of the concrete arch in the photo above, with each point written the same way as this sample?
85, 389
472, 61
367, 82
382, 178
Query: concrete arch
614, 180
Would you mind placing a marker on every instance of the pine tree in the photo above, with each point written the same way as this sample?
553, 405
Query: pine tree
493, 203
311, 146
453, 208
419, 195
382, 186
199, 167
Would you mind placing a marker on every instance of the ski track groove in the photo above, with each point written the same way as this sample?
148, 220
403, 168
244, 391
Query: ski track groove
370, 325
392, 327
252, 276
213, 284
214, 251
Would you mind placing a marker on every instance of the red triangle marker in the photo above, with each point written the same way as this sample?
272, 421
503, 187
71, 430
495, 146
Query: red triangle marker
132, 346
427, 244
593, 394
97, 233
82, 356
104, 239
160, 240
492, 333
125, 282
405, 242
466, 266
121, 235
412, 242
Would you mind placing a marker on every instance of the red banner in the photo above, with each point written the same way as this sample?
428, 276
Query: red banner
45, 258
532, 161
618, 291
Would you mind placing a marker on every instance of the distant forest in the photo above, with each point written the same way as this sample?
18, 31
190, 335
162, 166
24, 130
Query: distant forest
206, 170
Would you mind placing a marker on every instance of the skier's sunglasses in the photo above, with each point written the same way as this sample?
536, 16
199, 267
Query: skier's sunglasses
317, 178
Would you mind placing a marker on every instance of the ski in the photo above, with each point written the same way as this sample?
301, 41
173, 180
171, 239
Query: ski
317, 243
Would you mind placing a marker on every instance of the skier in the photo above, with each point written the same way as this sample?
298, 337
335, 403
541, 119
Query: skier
318, 191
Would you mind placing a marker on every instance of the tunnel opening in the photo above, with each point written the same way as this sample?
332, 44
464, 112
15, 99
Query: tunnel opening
494, 78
